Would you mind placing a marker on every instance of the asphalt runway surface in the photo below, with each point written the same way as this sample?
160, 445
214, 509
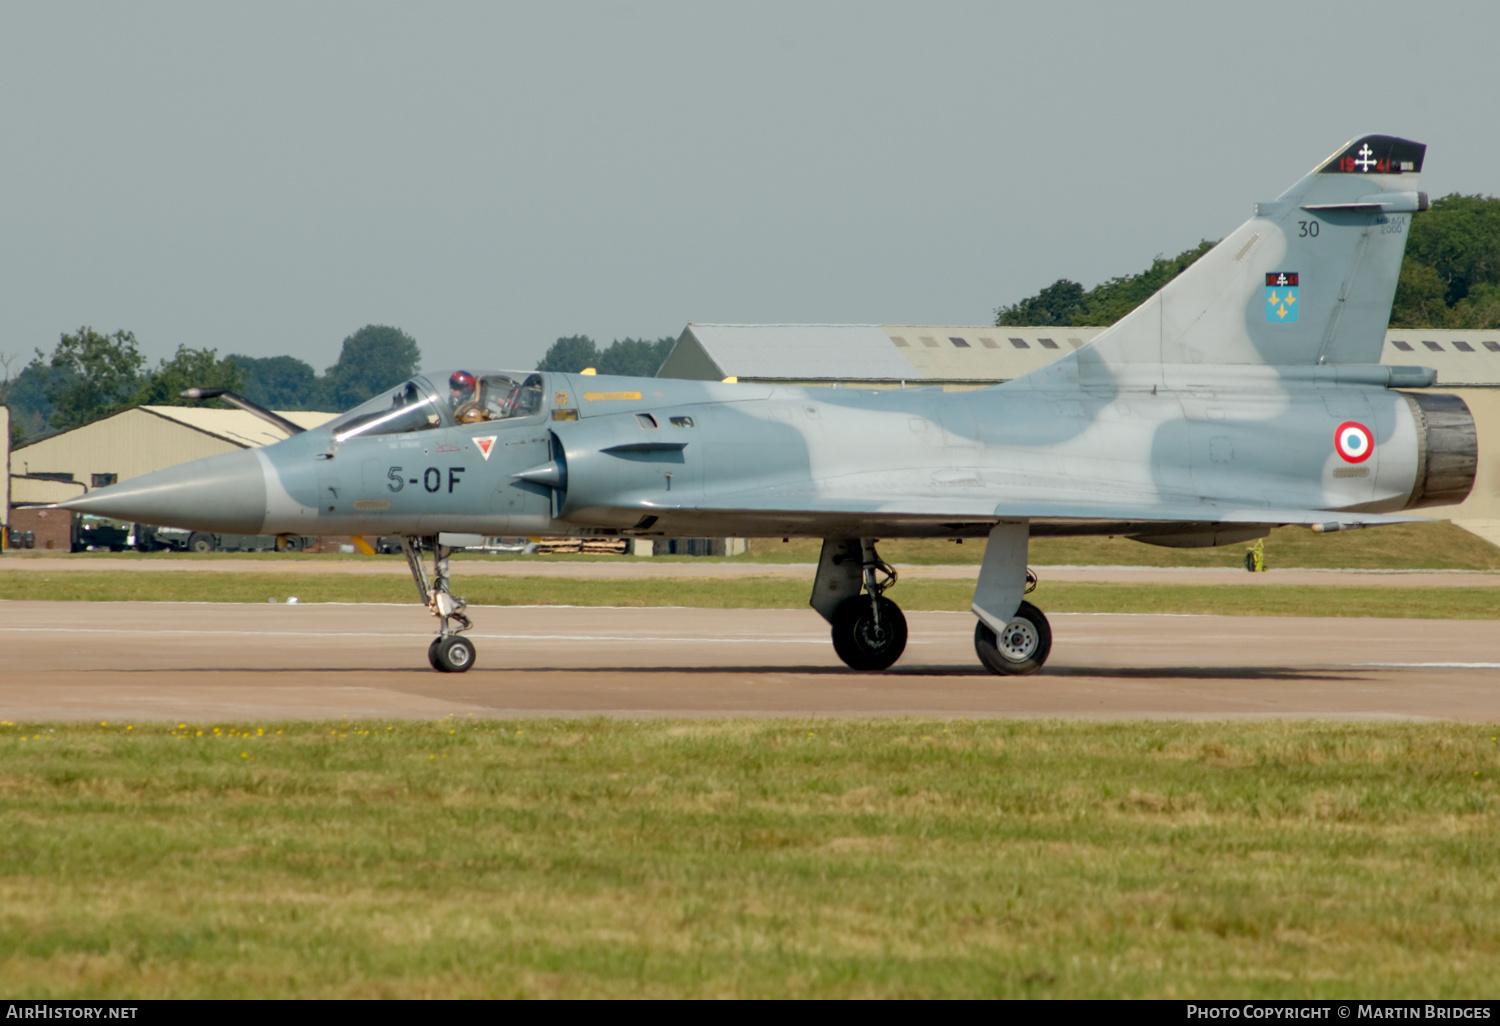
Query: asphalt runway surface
140, 661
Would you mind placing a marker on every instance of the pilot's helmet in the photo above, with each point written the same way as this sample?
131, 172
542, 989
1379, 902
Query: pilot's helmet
461, 384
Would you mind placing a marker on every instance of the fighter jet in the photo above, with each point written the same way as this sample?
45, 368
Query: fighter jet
1247, 393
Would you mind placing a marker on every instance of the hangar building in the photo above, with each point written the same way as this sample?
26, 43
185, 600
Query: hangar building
133, 442
964, 356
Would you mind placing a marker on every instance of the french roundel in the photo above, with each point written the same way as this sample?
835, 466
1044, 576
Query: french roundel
1353, 441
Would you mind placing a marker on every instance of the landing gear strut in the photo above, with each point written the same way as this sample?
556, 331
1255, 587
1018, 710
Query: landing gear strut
1012, 636
869, 630
449, 652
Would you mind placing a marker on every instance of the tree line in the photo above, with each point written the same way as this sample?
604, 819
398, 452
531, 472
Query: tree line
1450, 277
90, 375
628, 357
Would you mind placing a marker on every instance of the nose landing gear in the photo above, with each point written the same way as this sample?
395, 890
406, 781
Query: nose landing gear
869, 630
449, 652
453, 654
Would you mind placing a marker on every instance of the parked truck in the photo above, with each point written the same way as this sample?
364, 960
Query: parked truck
149, 538
100, 534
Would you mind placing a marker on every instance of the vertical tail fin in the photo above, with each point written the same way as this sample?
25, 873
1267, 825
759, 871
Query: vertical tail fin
1309, 279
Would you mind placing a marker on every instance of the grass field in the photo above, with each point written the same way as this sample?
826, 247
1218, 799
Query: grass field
1455, 603
749, 858
1432, 546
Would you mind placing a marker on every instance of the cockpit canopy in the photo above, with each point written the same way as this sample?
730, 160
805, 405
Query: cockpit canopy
471, 398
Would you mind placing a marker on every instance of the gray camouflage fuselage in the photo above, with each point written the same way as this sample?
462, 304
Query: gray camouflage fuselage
1214, 446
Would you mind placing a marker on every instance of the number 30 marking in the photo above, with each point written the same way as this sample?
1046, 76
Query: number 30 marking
1307, 229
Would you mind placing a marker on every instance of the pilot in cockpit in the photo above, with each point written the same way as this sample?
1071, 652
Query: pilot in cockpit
463, 398
460, 388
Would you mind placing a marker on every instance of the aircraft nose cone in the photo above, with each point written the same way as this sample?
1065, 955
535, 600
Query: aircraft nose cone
225, 493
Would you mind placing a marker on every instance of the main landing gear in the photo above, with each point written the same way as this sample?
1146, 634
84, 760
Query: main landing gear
449, 651
1012, 636
1020, 648
869, 631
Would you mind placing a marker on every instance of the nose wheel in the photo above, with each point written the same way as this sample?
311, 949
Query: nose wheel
453, 654
449, 652
869, 630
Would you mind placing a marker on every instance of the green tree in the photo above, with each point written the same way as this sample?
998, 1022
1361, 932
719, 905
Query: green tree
1108, 302
189, 368
570, 355
281, 383
1450, 277
1065, 303
1419, 297
374, 358
1451, 273
89, 375
1459, 238
635, 357
26, 395
1480, 308
17, 432
1055, 304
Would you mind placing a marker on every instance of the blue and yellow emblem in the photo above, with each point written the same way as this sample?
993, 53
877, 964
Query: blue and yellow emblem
1281, 297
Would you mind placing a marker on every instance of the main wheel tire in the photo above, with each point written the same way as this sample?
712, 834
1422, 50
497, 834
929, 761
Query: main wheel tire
862, 643
200, 543
453, 654
432, 659
1021, 648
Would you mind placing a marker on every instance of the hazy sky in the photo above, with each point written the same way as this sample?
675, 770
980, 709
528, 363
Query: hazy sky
268, 177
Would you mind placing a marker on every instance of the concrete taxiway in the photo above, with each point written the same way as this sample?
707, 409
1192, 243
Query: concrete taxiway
186, 661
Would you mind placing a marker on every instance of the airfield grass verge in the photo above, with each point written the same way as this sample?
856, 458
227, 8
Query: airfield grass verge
1429, 545
770, 592
1436, 545
826, 858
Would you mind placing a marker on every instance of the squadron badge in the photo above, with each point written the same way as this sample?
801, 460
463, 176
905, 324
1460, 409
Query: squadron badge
1281, 297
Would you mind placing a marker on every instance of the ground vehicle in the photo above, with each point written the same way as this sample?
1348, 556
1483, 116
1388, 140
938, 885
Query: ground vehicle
100, 534
156, 539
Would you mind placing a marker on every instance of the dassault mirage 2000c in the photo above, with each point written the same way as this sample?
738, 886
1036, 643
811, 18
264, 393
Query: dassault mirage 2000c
1248, 393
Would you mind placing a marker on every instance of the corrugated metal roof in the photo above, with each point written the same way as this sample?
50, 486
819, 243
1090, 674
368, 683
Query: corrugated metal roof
984, 354
237, 426
1459, 357
967, 353
803, 351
